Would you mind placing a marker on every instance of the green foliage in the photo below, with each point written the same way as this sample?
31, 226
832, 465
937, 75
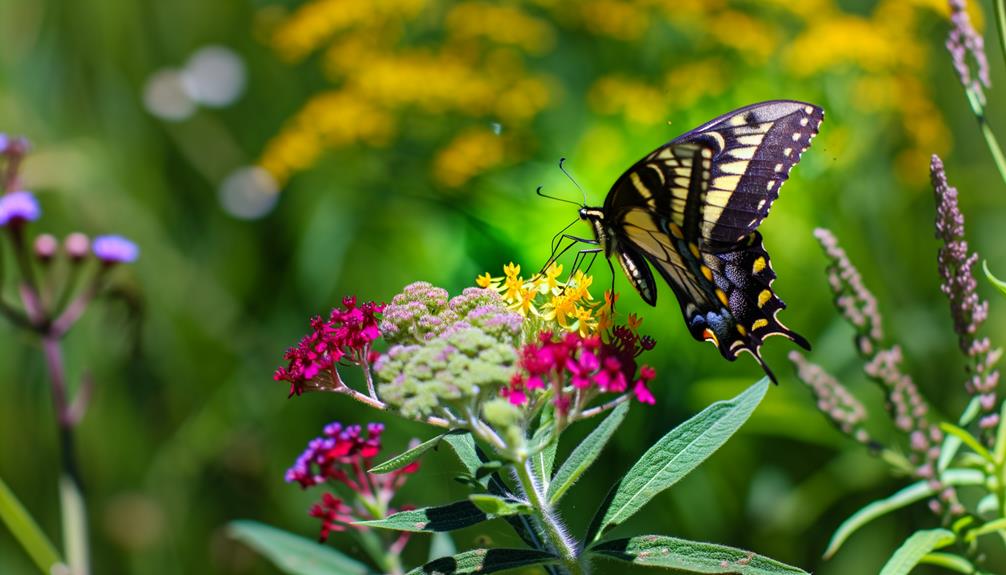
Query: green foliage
441, 518
403, 459
294, 554
585, 453
674, 456
691, 556
915, 548
484, 561
27, 532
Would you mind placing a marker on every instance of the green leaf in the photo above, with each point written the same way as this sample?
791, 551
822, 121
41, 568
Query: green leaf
294, 554
914, 549
401, 460
495, 506
968, 440
692, 556
949, 561
998, 525
906, 496
998, 283
999, 450
489, 468
674, 456
464, 447
441, 545
440, 518
585, 453
485, 561
24, 528
544, 445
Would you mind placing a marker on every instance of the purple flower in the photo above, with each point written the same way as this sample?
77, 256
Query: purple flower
964, 40
115, 249
18, 207
15, 146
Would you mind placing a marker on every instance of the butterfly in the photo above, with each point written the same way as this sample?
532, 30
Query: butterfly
691, 209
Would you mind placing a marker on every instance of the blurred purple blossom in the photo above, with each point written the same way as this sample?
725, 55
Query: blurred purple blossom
18, 207
115, 249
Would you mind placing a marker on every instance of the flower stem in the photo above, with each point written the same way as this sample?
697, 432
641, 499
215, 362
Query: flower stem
1000, 10
990, 139
561, 543
71, 497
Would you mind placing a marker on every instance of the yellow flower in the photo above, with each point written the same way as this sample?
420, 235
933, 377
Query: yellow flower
549, 282
585, 321
487, 281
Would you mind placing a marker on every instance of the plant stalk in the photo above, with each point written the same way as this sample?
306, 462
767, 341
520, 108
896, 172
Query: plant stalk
553, 530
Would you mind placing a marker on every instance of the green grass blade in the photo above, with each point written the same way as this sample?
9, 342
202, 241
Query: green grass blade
27, 532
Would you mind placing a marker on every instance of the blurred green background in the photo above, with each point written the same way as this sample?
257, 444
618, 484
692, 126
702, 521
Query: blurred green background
405, 139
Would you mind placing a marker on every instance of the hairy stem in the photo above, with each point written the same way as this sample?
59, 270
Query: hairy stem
562, 544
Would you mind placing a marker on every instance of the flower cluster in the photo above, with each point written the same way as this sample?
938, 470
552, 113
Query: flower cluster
575, 368
341, 456
962, 41
833, 399
347, 335
449, 353
558, 305
956, 265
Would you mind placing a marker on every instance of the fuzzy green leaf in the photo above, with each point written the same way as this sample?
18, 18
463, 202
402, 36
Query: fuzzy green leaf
674, 456
544, 445
691, 556
585, 453
485, 561
968, 440
440, 518
24, 528
906, 496
403, 459
495, 506
914, 549
294, 554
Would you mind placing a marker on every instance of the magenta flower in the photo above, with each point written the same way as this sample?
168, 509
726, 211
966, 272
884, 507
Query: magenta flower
341, 457
588, 364
18, 207
347, 334
114, 250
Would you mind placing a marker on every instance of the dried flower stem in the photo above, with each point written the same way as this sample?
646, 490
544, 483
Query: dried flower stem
597, 410
377, 403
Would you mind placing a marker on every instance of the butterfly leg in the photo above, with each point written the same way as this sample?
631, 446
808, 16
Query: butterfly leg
557, 253
581, 256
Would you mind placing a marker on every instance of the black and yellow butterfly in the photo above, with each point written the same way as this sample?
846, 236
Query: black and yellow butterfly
691, 209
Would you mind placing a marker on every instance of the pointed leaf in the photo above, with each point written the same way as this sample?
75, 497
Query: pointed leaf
440, 518
495, 506
674, 456
403, 459
998, 283
485, 561
968, 440
24, 528
949, 561
906, 496
294, 554
914, 549
585, 453
691, 556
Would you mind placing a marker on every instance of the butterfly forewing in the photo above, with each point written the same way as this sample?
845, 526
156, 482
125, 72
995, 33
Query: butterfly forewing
691, 208
755, 148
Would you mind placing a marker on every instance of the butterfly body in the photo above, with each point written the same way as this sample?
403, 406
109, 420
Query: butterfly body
691, 209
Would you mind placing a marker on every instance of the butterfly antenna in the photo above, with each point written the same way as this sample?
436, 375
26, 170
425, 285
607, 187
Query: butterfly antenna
544, 195
563, 169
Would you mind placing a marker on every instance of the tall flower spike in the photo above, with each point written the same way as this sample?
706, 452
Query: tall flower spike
962, 41
833, 400
904, 402
956, 266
